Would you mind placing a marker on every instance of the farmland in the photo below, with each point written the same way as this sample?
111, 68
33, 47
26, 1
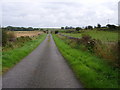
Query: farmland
60, 44
87, 66
91, 54
100, 35
24, 43
27, 33
104, 43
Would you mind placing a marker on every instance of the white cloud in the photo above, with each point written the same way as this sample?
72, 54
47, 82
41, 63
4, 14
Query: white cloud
57, 13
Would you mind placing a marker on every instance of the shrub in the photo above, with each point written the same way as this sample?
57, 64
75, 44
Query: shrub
108, 51
56, 32
85, 38
88, 42
11, 36
4, 37
78, 29
23, 38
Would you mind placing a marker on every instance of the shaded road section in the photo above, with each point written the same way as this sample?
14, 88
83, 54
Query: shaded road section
43, 68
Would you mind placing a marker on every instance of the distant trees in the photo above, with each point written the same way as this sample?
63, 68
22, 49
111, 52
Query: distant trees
35, 28
89, 27
11, 28
111, 26
56, 32
62, 27
78, 29
69, 27
30, 28
41, 29
98, 26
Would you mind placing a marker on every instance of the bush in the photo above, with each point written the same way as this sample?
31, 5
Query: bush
11, 36
78, 28
4, 38
56, 32
85, 38
88, 42
108, 51
23, 39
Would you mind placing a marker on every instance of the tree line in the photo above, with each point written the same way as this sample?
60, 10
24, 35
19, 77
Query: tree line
99, 27
11, 28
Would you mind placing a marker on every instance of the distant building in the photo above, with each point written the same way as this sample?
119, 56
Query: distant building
119, 13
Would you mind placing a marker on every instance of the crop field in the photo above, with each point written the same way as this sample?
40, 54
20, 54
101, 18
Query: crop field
100, 35
26, 33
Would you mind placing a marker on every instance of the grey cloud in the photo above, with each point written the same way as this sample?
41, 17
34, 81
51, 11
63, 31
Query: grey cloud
57, 14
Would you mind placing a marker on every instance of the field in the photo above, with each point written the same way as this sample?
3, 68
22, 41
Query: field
92, 71
93, 57
108, 36
16, 50
26, 33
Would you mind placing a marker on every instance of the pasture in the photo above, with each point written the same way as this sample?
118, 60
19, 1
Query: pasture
104, 36
103, 44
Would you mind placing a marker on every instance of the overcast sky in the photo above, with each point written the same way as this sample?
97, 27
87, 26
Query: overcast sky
57, 13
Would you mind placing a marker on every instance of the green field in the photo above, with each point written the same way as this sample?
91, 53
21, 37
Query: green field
13, 56
92, 71
108, 36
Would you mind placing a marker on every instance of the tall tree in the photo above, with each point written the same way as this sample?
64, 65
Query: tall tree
78, 28
62, 27
98, 26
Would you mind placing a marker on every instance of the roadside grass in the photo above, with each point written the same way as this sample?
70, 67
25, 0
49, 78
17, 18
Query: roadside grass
108, 36
13, 56
92, 71
102, 47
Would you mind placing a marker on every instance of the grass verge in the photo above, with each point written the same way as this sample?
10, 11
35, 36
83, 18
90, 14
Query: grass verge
93, 72
12, 57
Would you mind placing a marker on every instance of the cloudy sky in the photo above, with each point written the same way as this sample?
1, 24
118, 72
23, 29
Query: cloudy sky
57, 13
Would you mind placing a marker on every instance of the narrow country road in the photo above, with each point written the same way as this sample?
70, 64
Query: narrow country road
43, 68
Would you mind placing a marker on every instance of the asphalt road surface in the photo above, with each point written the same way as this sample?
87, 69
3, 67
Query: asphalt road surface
43, 68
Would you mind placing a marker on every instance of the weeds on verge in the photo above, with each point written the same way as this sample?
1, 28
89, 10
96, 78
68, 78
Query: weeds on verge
106, 50
92, 71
